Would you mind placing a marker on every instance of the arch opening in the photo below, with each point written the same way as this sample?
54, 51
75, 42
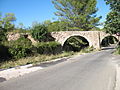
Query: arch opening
109, 40
75, 43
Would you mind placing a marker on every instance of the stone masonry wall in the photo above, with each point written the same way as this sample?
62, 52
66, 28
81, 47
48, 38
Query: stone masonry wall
93, 37
15, 36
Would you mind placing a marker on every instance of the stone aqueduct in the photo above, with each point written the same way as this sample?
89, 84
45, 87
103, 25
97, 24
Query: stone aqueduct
93, 37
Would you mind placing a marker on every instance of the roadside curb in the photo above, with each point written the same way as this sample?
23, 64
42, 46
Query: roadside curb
6, 74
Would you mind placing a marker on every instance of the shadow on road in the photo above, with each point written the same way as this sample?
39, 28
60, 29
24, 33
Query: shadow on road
107, 48
2, 79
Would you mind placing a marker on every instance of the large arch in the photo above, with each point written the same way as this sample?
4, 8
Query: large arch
66, 38
79, 44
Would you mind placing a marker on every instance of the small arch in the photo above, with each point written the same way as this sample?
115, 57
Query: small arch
108, 40
75, 43
25, 36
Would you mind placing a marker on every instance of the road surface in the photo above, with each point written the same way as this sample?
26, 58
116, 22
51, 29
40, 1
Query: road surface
92, 71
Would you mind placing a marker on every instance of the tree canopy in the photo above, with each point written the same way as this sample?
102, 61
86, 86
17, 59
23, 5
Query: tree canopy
6, 21
112, 24
79, 13
56, 25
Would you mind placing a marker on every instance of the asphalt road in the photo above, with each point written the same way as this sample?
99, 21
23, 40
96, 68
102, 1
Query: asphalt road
84, 72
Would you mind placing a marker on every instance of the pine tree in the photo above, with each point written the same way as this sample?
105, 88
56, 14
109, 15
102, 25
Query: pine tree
112, 24
79, 13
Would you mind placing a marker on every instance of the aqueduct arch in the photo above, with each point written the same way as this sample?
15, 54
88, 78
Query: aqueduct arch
103, 35
110, 39
75, 36
66, 38
93, 37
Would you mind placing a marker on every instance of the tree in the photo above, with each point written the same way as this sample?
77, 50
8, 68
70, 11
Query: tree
112, 24
6, 22
56, 26
79, 13
21, 26
39, 32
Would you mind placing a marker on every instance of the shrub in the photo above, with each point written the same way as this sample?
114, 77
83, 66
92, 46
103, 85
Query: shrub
49, 48
2, 35
39, 32
118, 50
4, 54
19, 48
88, 49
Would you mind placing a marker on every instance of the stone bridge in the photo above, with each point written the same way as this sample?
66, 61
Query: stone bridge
93, 37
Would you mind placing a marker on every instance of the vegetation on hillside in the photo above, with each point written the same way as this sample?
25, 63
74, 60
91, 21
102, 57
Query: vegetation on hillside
56, 25
74, 15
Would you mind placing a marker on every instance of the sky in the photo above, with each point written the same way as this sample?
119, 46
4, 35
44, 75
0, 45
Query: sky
28, 11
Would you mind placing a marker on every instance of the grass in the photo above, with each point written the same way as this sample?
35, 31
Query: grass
117, 52
40, 58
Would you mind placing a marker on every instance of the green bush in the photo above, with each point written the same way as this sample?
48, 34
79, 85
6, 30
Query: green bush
2, 35
118, 50
4, 54
88, 49
39, 32
19, 48
49, 48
